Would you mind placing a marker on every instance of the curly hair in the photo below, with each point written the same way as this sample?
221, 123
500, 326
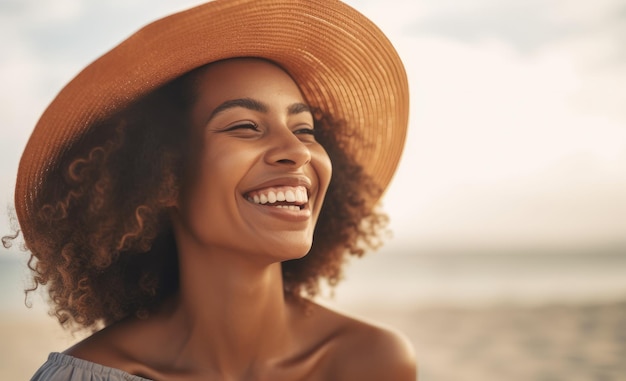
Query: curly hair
103, 244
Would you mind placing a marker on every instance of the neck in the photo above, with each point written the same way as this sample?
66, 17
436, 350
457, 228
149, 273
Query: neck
230, 313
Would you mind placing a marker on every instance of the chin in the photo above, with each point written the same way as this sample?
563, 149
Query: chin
294, 254
286, 252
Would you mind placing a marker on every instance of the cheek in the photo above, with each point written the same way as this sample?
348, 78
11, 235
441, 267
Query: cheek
323, 167
219, 168
209, 178
209, 197
321, 164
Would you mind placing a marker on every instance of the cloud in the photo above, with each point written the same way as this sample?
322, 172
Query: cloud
511, 148
526, 25
26, 13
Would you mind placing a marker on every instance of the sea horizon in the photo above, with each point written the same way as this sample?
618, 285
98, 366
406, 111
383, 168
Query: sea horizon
431, 279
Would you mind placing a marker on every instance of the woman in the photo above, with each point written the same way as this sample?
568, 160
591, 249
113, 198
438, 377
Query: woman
186, 192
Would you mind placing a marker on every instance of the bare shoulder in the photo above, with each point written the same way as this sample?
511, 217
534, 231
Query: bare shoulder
366, 351
113, 346
99, 347
377, 353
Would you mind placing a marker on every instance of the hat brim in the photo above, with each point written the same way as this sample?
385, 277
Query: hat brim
343, 64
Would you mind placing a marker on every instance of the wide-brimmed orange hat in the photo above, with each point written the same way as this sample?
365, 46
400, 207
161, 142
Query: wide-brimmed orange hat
343, 64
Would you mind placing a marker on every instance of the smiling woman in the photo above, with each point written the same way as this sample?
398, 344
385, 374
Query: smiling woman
251, 142
186, 206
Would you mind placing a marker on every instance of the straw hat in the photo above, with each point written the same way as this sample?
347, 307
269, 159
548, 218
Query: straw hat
341, 61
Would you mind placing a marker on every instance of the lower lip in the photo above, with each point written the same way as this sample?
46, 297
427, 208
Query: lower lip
284, 213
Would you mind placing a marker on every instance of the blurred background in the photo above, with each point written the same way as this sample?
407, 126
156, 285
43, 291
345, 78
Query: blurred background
508, 253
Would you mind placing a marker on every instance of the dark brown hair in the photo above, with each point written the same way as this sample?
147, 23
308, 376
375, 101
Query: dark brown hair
102, 241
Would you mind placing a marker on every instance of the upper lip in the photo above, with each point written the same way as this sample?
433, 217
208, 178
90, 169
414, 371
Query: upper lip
290, 181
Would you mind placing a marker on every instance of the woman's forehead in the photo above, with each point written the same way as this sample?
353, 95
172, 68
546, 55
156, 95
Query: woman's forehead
245, 73
257, 84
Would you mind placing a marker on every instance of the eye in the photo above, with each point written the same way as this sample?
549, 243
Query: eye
305, 133
307, 130
243, 126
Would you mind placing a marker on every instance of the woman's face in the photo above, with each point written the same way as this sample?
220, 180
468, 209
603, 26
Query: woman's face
257, 176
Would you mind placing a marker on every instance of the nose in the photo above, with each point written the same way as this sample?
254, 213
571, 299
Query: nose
285, 148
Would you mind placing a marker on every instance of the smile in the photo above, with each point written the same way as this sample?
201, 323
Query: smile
286, 197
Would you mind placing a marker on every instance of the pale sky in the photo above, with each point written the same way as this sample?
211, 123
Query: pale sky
517, 135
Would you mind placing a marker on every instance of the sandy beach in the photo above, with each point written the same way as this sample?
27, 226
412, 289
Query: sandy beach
548, 343
543, 343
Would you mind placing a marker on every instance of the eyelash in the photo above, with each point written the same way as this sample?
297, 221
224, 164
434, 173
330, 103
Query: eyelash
308, 131
255, 127
248, 125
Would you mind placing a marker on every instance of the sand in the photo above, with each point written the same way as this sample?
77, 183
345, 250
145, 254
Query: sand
545, 343
548, 343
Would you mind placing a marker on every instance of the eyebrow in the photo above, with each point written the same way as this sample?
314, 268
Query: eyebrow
255, 105
298, 108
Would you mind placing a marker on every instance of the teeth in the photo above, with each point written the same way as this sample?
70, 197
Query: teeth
300, 195
281, 194
271, 197
290, 207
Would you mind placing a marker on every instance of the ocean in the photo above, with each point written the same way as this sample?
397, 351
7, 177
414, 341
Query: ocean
423, 279
469, 279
